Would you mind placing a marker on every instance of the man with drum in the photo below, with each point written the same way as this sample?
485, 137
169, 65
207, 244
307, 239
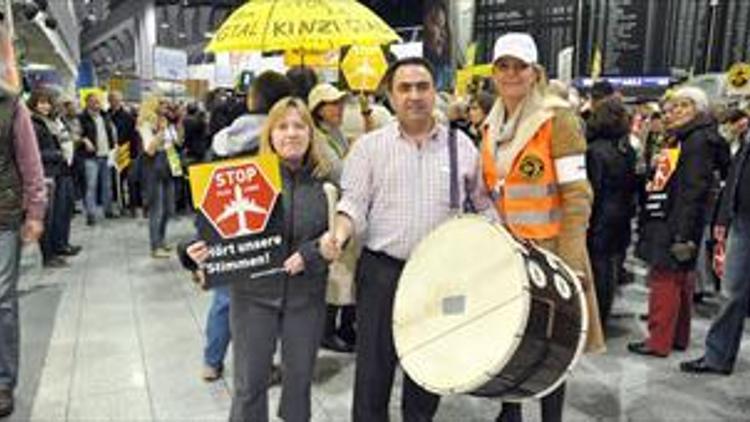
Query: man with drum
395, 191
533, 163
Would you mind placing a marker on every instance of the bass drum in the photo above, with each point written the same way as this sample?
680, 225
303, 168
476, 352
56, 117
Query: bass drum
477, 311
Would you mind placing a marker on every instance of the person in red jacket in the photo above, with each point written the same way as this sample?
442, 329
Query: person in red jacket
23, 199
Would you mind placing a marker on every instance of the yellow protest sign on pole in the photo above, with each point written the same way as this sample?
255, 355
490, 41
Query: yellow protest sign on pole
122, 157
364, 67
471, 54
238, 216
739, 75
596, 64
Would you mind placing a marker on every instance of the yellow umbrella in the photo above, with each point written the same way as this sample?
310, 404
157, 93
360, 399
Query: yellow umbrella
272, 25
364, 67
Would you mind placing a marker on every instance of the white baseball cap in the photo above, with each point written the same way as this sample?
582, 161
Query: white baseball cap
519, 45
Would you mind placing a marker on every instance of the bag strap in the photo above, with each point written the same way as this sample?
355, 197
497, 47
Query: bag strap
453, 157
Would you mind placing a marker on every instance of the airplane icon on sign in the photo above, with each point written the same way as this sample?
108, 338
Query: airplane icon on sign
239, 206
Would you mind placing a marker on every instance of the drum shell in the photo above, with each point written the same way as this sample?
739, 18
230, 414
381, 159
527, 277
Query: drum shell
552, 339
539, 333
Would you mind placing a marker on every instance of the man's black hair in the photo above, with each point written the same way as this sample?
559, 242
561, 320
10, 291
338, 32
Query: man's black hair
408, 61
601, 90
734, 115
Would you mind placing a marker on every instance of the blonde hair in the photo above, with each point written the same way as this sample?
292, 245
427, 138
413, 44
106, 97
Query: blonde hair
542, 81
148, 112
321, 166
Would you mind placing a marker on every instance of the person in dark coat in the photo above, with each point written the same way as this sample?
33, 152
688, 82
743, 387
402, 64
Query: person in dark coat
41, 104
196, 135
303, 79
289, 307
610, 163
98, 135
725, 335
127, 134
673, 219
240, 137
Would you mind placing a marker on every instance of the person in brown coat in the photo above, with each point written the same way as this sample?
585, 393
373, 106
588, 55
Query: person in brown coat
526, 126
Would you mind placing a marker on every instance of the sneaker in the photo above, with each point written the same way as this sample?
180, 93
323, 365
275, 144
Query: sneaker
6, 401
160, 253
90, 220
210, 374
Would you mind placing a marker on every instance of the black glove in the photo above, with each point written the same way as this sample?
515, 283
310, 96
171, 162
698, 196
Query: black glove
683, 251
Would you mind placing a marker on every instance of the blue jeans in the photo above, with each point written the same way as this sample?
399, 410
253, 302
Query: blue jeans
56, 234
160, 206
10, 256
63, 214
98, 181
723, 341
217, 329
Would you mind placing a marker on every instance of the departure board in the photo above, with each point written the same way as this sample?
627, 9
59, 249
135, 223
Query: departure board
551, 22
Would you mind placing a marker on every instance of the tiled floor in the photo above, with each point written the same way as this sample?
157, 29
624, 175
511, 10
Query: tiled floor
118, 336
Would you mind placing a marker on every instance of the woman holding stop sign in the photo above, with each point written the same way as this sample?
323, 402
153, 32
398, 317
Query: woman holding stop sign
291, 308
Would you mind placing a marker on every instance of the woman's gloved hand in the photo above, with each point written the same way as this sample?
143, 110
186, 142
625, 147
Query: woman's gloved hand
683, 251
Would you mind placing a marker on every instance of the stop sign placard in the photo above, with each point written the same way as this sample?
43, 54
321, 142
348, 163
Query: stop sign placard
239, 200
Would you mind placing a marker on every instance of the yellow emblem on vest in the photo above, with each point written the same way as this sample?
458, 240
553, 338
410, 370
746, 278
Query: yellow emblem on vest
531, 167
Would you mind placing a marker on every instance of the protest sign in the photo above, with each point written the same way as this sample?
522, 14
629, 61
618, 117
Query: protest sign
239, 216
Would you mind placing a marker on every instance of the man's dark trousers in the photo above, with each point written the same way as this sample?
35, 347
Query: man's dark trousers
377, 278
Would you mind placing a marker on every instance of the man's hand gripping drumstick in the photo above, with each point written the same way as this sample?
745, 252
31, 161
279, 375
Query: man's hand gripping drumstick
340, 227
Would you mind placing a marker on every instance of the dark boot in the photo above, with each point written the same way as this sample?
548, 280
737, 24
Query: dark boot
511, 412
6, 401
347, 330
331, 340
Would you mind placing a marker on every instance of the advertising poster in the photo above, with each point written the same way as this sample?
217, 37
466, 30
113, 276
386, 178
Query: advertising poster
240, 217
437, 44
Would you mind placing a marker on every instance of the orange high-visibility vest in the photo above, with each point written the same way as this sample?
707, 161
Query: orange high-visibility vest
528, 198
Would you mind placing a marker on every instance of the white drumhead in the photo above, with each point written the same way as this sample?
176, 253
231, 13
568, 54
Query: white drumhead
461, 306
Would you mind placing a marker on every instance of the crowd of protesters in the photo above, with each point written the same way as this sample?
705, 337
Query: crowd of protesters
672, 168
628, 145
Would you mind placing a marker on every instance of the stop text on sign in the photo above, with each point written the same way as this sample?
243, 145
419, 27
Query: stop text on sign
234, 176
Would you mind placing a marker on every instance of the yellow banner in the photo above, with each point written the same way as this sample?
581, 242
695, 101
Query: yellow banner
312, 58
465, 76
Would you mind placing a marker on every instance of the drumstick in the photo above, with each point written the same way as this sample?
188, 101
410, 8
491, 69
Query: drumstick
332, 194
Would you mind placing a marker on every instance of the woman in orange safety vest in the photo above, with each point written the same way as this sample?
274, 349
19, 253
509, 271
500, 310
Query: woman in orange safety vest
533, 162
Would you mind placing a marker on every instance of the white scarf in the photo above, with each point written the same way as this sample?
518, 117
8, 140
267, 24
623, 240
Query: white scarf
508, 139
